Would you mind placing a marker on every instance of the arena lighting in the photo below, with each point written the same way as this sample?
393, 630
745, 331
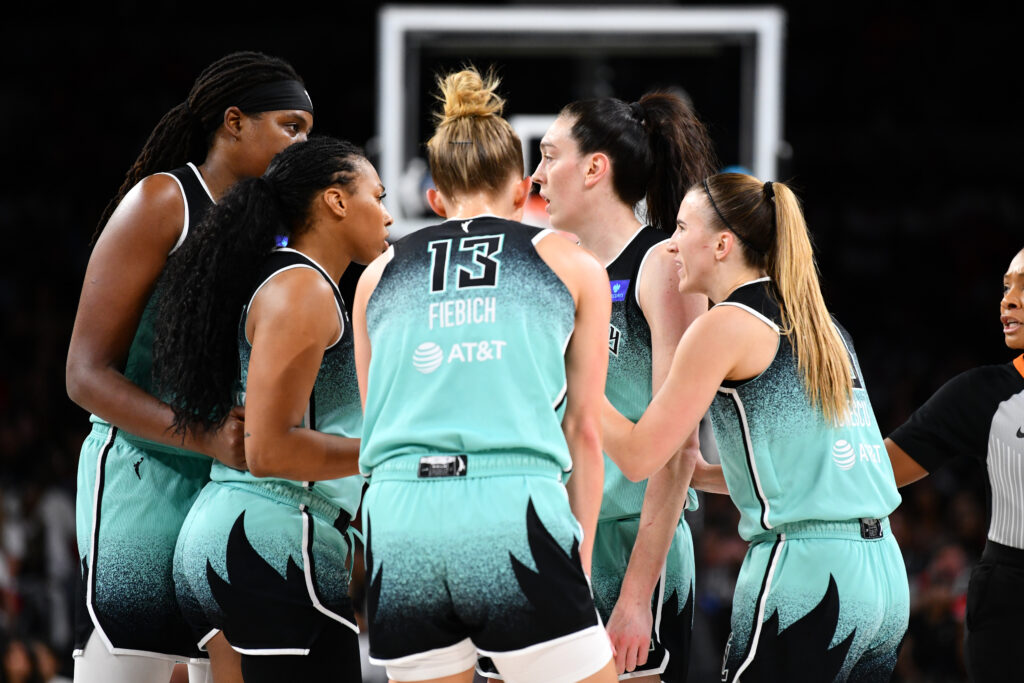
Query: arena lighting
398, 78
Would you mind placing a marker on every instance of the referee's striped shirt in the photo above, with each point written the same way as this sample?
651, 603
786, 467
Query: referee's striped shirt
980, 414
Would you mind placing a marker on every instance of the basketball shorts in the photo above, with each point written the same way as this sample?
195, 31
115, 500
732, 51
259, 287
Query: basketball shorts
129, 508
479, 555
822, 601
265, 564
671, 604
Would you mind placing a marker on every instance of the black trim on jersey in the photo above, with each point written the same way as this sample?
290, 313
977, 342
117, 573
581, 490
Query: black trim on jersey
561, 401
758, 296
749, 453
312, 421
197, 199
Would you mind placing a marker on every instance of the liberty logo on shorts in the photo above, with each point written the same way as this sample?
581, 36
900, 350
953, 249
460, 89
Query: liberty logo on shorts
427, 357
843, 455
619, 289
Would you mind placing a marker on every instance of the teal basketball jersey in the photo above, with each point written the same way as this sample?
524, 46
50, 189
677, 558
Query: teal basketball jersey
468, 328
334, 406
783, 461
139, 365
628, 386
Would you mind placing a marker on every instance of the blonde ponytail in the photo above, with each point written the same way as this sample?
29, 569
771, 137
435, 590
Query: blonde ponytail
821, 354
773, 235
473, 148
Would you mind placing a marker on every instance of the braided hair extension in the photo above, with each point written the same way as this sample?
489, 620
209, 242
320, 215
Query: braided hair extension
209, 280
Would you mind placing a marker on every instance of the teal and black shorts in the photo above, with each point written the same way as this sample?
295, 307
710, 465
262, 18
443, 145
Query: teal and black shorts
671, 603
130, 506
479, 548
823, 597
267, 564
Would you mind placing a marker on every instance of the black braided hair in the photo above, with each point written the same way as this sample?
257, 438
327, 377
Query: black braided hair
186, 131
209, 279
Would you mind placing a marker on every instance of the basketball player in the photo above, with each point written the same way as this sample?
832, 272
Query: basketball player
980, 413
288, 516
473, 339
136, 478
598, 161
822, 594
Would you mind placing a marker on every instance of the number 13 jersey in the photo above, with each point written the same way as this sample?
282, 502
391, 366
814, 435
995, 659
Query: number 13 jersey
468, 328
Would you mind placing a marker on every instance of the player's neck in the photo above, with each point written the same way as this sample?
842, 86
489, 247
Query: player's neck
607, 230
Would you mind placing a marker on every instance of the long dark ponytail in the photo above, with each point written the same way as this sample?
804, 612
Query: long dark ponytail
185, 132
657, 146
208, 280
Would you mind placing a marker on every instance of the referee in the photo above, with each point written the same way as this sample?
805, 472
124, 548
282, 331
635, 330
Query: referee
980, 413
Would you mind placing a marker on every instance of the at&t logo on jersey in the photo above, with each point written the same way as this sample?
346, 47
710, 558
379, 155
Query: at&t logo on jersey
845, 456
428, 356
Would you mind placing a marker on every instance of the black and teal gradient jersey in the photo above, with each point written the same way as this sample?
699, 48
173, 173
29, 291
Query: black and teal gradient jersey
139, 365
629, 383
783, 461
468, 328
334, 406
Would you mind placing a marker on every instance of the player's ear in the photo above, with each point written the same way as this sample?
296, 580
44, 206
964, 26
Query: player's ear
522, 192
436, 201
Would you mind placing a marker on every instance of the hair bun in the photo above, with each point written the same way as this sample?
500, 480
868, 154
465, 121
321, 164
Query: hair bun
467, 93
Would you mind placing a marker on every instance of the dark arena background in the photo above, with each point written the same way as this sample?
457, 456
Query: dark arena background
898, 132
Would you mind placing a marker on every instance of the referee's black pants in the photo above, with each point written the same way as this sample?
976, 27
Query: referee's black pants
995, 615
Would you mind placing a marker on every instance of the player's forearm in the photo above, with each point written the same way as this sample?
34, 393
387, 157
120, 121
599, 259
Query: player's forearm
301, 454
709, 478
586, 484
663, 505
111, 396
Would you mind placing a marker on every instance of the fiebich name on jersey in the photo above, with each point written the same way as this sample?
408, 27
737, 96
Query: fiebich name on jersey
474, 310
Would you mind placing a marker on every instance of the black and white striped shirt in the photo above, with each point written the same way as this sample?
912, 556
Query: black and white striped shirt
979, 413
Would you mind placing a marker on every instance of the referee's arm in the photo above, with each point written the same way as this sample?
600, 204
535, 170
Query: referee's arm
904, 468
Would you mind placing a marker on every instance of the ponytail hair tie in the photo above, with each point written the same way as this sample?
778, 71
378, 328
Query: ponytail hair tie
637, 110
769, 191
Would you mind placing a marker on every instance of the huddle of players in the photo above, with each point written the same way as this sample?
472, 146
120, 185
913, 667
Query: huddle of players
479, 543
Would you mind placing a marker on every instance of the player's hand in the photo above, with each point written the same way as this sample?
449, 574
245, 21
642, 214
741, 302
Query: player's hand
629, 628
227, 444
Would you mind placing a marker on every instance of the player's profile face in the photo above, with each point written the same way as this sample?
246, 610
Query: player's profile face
270, 132
1011, 307
560, 175
366, 217
692, 244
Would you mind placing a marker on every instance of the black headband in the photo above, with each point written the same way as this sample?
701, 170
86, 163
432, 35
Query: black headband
275, 96
733, 230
